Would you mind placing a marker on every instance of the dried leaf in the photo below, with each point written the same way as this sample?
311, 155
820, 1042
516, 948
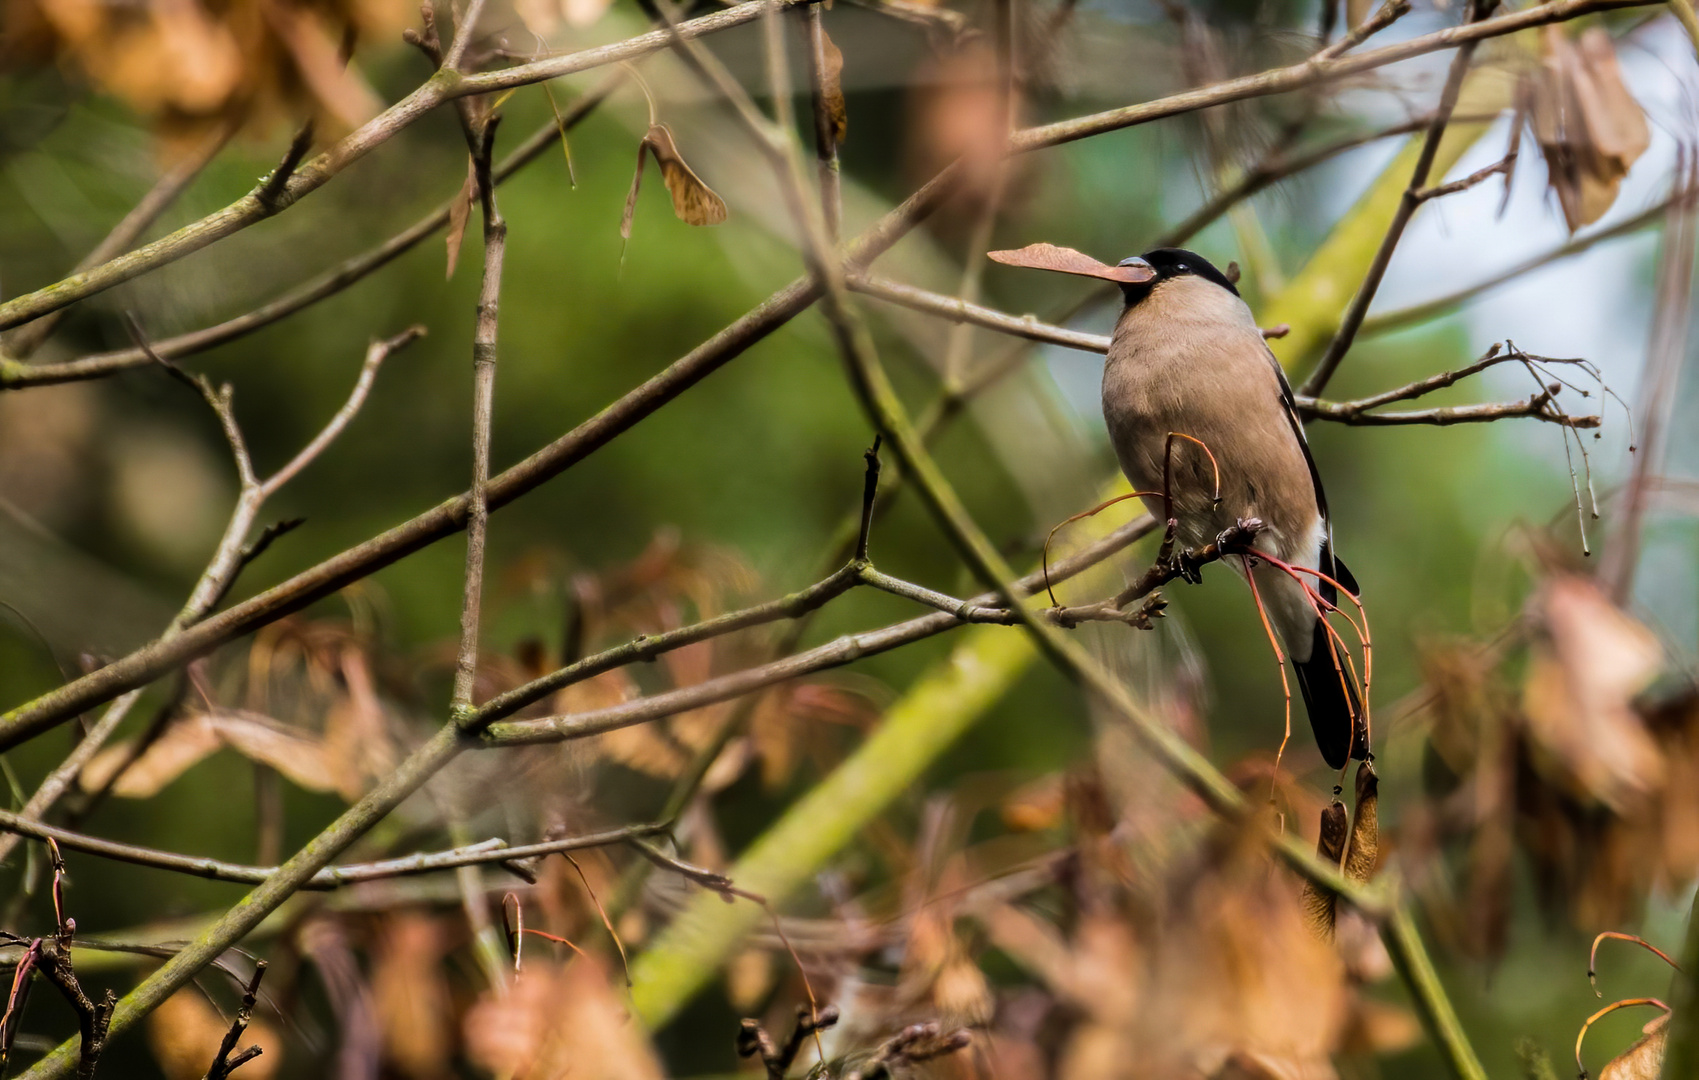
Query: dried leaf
1378, 1028
1583, 675
1590, 128
411, 995
357, 742
461, 209
557, 1021
832, 86
1068, 261
336, 85
1644, 1060
185, 1031
1241, 975
693, 201
1036, 805
749, 978
1319, 903
178, 748
298, 756
581, 13
1363, 851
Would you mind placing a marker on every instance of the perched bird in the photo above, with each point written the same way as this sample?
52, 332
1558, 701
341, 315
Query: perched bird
1188, 358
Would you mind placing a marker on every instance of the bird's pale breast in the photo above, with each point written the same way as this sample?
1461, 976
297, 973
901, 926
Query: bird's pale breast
1190, 359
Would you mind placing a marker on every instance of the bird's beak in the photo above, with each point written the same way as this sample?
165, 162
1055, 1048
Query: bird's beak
1135, 271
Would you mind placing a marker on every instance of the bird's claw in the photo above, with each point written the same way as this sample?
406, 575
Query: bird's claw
1187, 568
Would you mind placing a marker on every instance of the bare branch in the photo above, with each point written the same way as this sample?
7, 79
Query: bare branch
446, 86
1384, 16
228, 1059
1352, 320
158, 199
844, 650
271, 192
483, 414
333, 281
440, 89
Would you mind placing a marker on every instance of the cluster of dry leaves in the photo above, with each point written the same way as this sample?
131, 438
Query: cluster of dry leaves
1588, 126
1585, 762
194, 67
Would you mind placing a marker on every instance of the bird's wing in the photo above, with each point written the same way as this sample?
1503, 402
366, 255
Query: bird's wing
1329, 563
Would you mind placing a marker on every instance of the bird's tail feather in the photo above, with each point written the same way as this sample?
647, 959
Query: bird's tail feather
1336, 712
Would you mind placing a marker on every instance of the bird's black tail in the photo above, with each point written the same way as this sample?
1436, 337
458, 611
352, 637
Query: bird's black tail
1336, 712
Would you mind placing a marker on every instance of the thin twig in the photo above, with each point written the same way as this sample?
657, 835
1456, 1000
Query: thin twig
159, 198
229, 1059
483, 409
482, 853
331, 282
1384, 16
446, 87
1352, 320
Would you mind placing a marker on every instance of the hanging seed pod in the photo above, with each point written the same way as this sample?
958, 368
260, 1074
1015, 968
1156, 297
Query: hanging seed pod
1320, 903
1364, 849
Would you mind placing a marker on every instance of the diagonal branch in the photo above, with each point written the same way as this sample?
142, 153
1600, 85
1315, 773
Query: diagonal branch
446, 86
1413, 198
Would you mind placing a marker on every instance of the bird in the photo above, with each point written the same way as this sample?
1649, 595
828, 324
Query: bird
1187, 357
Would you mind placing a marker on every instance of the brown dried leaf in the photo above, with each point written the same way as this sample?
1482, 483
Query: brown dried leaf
832, 87
185, 1032
1583, 675
1241, 975
411, 996
1590, 128
557, 1021
336, 85
1320, 904
178, 748
357, 742
1036, 805
298, 756
1363, 851
1644, 1060
749, 978
694, 202
461, 209
1068, 261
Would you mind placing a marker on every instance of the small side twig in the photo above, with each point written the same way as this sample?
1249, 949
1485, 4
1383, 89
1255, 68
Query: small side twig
1384, 16
1352, 320
910, 1046
54, 963
272, 190
753, 1040
229, 1058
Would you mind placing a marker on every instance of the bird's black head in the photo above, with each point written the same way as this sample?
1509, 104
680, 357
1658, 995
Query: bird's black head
1172, 263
